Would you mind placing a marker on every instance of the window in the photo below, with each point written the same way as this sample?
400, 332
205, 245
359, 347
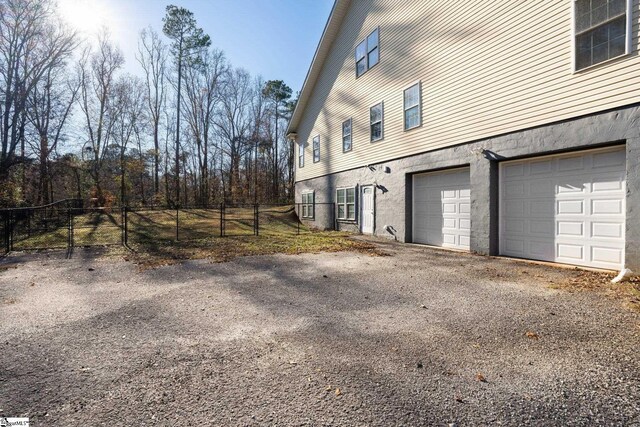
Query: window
346, 198
301, 155
600, 31
316, 149
367, 53
376, 113
412, 107
308, 204
346, 136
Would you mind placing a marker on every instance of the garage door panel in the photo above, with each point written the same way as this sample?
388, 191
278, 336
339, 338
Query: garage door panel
542, 228
568, 207
607, 230
609, 159
569, 251
572, 213
603, 255
540, 167
606, 207
443, 219
570, 228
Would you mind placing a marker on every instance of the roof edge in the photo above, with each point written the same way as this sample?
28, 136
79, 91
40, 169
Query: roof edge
338, 11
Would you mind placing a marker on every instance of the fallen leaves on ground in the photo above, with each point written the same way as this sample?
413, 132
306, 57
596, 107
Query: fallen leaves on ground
591, 281
532, 335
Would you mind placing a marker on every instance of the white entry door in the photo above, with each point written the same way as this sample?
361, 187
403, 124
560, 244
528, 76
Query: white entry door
367, 210
441, 209
567, 208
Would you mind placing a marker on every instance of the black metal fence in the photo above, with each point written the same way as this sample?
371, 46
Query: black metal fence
67, 224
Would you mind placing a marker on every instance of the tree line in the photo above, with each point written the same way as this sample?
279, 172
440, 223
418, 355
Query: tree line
190, 130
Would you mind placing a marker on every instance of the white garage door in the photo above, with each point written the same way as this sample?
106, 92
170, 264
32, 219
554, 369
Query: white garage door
441, 215
567, 208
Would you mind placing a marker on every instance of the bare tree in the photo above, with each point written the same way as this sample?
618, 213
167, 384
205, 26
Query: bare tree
201, 86
31, 44
97, 73
152, 56
128, 116
234, 124
48, 111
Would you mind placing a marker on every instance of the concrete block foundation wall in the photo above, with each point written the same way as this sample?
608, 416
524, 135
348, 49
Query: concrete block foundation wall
393, 199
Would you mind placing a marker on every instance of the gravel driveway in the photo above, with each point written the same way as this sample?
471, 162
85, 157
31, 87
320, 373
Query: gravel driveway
419, 337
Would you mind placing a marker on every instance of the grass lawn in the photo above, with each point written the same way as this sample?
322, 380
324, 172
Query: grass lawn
152, 234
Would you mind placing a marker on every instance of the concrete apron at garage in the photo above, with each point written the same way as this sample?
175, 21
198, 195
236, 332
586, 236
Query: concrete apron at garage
394, 201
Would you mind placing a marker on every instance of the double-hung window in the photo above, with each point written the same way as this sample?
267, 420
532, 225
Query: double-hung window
308, 202
601, 31
301, 155
346, 203
411, 107
376, 114
346, 136
316, 149
367, 53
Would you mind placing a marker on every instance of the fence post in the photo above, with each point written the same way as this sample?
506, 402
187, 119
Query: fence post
257, 221
222, 219
6, 232
11, 227
298, 221
177, 223
69, 230
125, 226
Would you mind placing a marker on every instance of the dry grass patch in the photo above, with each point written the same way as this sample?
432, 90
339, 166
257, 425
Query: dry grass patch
224, 249
626, 292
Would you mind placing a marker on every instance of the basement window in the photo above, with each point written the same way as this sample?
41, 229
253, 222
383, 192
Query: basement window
308, 204
601, 31
346, 203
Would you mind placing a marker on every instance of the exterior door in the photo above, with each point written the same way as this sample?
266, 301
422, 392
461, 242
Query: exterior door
441, 208
367, 210
567, 208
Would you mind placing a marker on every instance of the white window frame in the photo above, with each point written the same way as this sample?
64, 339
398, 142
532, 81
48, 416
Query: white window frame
350, 135
381, 103
301, 155
308, 207
346, 204
316, 148
367, 51
574, 36
405, 108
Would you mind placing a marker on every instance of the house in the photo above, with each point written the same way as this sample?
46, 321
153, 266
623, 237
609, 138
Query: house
499, 127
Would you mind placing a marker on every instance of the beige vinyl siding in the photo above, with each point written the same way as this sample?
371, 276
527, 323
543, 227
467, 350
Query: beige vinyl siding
486, 68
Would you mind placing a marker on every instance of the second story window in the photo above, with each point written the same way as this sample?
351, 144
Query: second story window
346, 136
600, 31
376, 121
412, 107
316, 149
367, 53
301, 155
